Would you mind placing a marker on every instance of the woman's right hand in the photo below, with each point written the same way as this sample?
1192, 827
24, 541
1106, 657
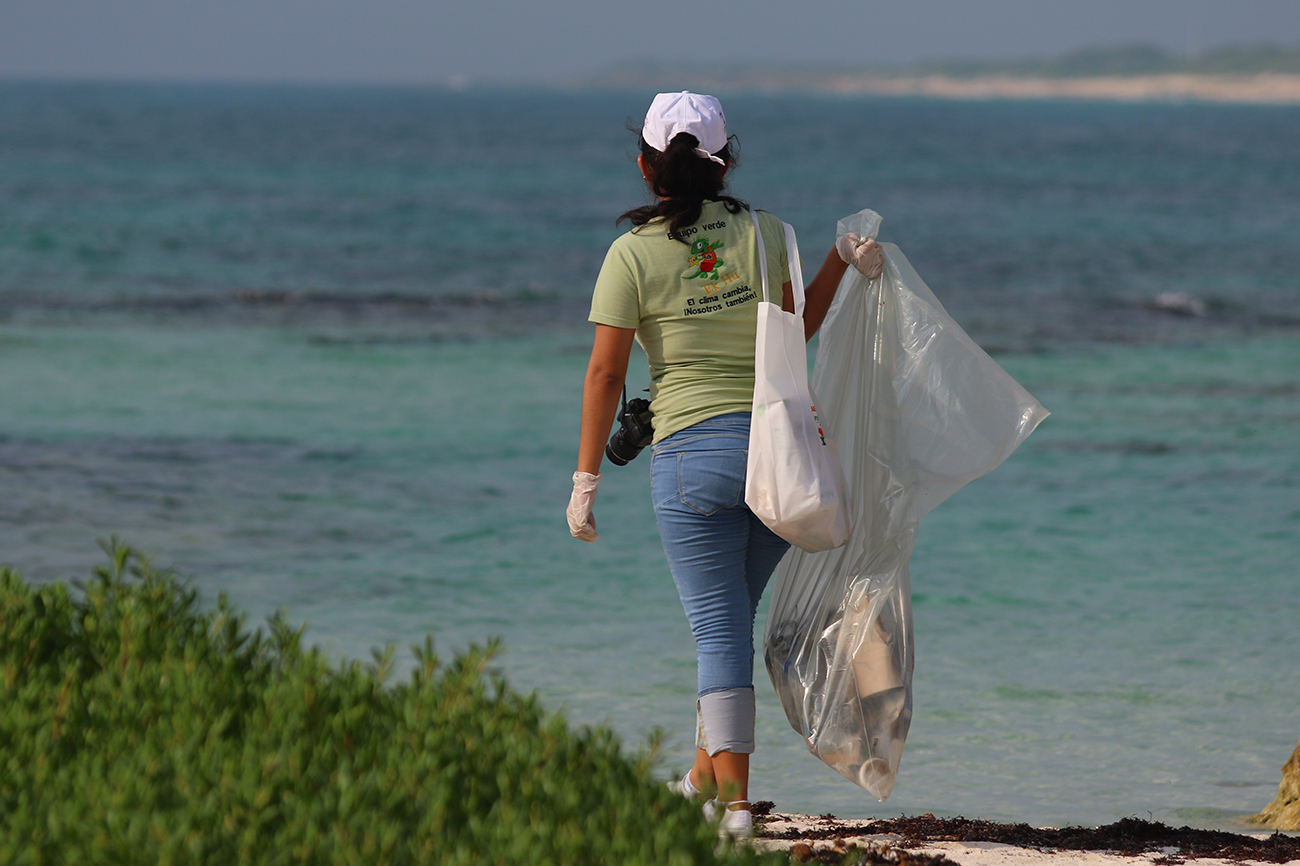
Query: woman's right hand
864, 255
582, 523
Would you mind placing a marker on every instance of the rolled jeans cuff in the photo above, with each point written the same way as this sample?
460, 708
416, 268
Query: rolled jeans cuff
726, 722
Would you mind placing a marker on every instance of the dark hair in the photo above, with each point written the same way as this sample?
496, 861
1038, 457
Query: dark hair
683, 180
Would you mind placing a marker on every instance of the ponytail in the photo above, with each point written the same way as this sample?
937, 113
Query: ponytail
683, 180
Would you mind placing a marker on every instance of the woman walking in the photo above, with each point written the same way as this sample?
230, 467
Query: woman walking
685, 282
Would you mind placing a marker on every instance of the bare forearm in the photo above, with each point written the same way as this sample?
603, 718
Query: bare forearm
600, 397
819, 293
600, 392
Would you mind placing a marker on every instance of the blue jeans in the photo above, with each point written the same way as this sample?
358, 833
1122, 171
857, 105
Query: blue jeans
721, 555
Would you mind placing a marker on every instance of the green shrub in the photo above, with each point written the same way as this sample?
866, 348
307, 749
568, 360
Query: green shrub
136, 727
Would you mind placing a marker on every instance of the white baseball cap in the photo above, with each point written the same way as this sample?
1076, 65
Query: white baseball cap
700, 115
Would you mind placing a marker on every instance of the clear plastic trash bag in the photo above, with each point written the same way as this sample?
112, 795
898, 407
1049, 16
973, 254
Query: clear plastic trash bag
916, 410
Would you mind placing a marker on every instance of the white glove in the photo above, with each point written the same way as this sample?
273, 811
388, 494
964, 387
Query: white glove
582, 523
865, 255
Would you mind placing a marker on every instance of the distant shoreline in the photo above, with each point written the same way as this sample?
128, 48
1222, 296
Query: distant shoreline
1270, 88
1248, 74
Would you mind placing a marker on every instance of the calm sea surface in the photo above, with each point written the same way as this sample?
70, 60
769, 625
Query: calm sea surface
322, 349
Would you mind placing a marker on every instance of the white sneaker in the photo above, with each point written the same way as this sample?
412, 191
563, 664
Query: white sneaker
712, 808
684, 787
735, 823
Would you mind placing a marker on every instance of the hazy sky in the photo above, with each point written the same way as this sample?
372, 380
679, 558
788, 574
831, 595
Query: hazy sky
433, 41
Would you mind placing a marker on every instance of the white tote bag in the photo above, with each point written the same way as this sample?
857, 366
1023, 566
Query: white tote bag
793, 481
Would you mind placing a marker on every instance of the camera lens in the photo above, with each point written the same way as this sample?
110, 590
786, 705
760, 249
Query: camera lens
619, 451
635, 432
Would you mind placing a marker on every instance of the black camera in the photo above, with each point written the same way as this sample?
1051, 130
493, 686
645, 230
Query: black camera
635, 430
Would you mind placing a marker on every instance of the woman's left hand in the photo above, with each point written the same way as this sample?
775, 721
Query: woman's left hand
864, 255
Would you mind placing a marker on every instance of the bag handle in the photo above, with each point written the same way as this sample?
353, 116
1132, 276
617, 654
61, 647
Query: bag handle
792, 259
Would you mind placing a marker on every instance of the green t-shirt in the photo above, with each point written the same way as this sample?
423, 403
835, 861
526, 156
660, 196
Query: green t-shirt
694, 306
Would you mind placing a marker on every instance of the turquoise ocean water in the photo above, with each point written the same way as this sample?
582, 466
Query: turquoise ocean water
322, 349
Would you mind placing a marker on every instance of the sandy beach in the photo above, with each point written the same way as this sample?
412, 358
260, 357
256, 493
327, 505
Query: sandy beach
921, 841
1277, 89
